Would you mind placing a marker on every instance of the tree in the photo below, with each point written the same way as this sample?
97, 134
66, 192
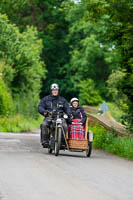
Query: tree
119, 30
22, 67
48, 17
88, 95
6, 102
114, 84
91, 54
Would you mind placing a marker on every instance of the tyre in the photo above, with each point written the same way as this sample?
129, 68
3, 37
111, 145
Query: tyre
58, 141
88, 152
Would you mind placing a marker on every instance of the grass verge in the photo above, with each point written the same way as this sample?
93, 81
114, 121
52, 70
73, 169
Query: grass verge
115, 111
19, 123
121, 146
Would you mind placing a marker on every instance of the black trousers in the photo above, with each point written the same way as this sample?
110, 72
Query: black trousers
45, 129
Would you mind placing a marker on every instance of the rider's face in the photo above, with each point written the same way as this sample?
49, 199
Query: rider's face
55, 92
75, 104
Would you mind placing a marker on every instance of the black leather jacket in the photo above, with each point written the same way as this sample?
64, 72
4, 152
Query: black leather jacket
79, 113
50, 103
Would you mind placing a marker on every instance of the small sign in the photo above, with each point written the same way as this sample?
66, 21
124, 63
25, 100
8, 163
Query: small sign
104, 108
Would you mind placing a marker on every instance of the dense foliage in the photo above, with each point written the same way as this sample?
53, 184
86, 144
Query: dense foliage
121, 146
49, 19
86, 45
19, 123
21, 68
119, 31
87, 93
73, 46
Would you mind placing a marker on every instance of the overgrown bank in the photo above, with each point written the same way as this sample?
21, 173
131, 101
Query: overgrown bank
19, 123
21, 72
121, 146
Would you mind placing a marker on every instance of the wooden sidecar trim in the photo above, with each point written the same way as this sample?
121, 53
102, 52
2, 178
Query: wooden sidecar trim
78, 144
86, 129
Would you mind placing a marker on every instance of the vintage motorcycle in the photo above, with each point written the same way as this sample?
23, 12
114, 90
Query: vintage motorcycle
59, 139
56, 132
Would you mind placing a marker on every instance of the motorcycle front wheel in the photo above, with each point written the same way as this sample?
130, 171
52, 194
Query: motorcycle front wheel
58, 141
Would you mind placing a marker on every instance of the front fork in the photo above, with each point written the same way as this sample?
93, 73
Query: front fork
53, 137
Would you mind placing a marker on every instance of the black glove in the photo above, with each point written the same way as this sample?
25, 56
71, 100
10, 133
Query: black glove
45, 113
69, 121
70, 117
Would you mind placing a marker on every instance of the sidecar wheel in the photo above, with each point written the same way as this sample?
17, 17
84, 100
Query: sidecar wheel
88, 152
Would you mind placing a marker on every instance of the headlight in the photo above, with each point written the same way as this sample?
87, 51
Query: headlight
65, 116
59, 121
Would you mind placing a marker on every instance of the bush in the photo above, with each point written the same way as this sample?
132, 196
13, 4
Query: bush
115, 111
113, 84
88, 95
22, 68
6, 103
127, 120
19, 123
121, 146
100, 135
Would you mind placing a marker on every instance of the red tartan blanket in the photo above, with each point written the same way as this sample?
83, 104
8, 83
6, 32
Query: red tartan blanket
76, 131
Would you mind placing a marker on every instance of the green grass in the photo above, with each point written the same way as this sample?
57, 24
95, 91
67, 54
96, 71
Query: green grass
115, 111
121, 146
19, 123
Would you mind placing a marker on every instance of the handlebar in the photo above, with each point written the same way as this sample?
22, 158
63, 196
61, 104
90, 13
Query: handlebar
54, 112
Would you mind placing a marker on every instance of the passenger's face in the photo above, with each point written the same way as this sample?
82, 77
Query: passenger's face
55, 92
75, 104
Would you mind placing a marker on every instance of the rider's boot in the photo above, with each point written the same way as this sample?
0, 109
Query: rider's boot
52, 143
45, 142
44, 138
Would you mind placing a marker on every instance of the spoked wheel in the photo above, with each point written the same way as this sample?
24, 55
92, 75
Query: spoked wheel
88, 152
58, 141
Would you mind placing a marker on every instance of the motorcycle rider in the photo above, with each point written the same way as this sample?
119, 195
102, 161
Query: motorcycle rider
48, 104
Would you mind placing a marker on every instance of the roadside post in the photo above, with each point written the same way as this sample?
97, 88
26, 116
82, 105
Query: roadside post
103, 109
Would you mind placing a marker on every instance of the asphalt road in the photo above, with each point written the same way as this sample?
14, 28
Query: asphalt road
28, 172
